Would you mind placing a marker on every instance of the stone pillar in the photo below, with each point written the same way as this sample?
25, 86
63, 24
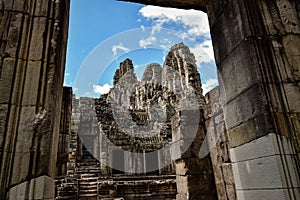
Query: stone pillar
140, 163
144, 162
219, 147
194, 176
32, 59
257, 57
64, 133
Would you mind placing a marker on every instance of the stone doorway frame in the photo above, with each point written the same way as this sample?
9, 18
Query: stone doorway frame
253, 40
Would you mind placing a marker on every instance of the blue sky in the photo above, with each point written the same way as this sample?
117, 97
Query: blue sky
104, 33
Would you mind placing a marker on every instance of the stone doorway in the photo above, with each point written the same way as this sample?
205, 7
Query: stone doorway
254, 42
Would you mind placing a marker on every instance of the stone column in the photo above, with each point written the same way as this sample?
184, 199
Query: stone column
32, 59
257, 56
64, 133
219, 147
144, 162
194, 176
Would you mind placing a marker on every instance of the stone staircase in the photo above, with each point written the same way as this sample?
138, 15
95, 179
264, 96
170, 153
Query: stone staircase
81, 180
66, 189
87, 186
88, 172
85, 182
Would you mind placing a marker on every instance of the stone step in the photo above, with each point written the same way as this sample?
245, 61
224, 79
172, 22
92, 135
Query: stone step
87, 183
89, 175
90, 191
65, 193
66, 197
91, 187
83, 171
88, 195
89, 179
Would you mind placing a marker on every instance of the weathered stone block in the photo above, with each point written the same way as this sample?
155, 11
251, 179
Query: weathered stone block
22, 165
228, 174
292, 93
3, 121
37, 44
266, 173
14, 35
18, 82
246, 106
269, 145
182, 184
269, 194
25, 138
239, 71
292, 54
42, 8
188, 148
19, 192
287, 56
249, 130
230, 14
188, 132
193, 166
182, 196
32, 80
190, 185
6, 79
219, 118
19, 6
35, 189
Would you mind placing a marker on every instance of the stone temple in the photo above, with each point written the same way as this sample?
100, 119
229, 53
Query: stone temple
158, 137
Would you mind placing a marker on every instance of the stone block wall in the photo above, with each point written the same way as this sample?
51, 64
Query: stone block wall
219, 146
33, 35
259, 84
194, 175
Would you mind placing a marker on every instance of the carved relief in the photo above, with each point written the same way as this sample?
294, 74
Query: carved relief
288, 15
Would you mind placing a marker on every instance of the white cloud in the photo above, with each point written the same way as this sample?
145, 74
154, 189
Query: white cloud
209, 85
195, 21
203, 52
146, 42
121, 47
104, 89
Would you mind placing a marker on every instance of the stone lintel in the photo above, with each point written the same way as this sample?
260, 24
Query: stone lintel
182, 4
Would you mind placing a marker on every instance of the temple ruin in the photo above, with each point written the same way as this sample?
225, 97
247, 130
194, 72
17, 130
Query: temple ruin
251, 121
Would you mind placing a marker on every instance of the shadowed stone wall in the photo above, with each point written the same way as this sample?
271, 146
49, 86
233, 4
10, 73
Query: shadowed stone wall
258, 66
219, 146
33, 36
64, 133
